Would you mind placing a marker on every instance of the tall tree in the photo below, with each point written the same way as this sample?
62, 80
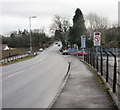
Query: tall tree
78, 27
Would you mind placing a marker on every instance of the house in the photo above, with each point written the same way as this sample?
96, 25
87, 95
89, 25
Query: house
4, 47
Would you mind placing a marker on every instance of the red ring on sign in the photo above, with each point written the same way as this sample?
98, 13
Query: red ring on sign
97, 39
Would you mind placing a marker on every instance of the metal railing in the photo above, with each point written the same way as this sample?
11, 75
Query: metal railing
105, 61
14, 58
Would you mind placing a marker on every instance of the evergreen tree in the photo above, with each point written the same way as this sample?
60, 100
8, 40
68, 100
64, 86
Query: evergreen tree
78, 28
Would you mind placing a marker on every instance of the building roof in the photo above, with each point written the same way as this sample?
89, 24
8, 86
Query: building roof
4, 47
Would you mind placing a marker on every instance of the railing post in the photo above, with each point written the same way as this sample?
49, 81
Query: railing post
93, 59
115, 76
87, 57
84, 57
119, 74
101, 63
97, 63
107, 72
90, 58
95, 56
115, 73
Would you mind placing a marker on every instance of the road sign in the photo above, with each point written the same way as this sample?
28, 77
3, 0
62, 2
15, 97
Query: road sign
97, 38
83, 41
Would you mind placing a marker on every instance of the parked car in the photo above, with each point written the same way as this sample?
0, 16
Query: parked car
29, 52
65, 52
72, 51
41, 50
56, 43
81, 52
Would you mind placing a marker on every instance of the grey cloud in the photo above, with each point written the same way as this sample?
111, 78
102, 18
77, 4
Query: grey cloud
46, 9
25, 9
42, 9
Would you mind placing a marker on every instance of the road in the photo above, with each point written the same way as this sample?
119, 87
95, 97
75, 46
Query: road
35, 82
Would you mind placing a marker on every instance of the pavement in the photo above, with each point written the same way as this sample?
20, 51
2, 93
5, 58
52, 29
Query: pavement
83, 89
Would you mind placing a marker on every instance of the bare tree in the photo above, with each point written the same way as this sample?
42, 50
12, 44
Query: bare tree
42, 30
95, 22
59, 29
60, 23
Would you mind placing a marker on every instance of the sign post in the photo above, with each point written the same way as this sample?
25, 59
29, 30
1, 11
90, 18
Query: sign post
83, 41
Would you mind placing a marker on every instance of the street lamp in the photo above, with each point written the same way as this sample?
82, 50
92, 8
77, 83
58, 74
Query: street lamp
30, 32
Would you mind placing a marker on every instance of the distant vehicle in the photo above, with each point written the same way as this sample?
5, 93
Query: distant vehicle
29, 52
72, 51
81, 52
56, 43
65, 52
41, 50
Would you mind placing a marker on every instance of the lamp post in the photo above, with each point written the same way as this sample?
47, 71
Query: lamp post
30, 32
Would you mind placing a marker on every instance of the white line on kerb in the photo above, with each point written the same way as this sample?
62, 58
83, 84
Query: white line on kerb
15, 73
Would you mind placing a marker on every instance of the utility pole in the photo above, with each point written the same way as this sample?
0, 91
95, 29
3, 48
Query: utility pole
30, 32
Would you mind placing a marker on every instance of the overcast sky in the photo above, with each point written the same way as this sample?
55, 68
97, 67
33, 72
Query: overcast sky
15, 13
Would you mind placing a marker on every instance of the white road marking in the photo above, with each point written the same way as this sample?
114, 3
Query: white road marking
33, 67
16, 73
39, 61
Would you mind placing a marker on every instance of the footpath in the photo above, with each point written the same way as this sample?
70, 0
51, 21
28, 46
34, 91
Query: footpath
83, 90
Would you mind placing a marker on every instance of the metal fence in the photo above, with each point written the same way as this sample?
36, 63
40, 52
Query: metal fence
105, 61
14, 58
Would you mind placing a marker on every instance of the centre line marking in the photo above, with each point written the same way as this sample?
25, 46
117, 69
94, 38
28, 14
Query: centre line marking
33, 67
15, 73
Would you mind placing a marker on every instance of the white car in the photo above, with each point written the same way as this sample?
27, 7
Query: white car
65, 52
56, 43
41, 49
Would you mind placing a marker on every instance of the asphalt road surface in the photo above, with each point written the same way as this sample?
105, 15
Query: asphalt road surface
35, 82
